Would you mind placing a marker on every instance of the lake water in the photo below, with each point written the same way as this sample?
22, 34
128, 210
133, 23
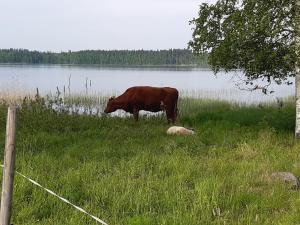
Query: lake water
106, 81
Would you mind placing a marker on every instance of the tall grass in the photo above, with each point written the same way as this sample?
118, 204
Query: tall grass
133, 173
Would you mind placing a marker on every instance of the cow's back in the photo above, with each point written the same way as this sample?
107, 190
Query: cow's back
150, 98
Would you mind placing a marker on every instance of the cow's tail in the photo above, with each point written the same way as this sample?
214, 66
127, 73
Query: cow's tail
176, 111
175, 108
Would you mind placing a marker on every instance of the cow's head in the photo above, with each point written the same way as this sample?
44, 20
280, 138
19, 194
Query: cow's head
111, 106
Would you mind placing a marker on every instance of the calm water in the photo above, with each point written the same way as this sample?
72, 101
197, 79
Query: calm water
106, 81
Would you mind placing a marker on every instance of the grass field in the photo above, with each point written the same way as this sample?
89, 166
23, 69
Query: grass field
133, 173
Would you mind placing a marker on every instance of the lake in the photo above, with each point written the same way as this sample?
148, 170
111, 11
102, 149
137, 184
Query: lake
93, 80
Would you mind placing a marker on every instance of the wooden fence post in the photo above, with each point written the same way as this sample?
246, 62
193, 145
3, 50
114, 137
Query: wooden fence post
9, 167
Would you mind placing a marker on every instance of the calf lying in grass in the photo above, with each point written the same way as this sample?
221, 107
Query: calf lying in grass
180, 131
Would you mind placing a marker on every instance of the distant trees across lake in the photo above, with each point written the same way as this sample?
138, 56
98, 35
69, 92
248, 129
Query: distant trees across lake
171, 57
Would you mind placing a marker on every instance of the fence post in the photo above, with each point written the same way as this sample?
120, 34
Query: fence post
9, 167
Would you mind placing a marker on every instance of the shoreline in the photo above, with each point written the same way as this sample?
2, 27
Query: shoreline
192, 66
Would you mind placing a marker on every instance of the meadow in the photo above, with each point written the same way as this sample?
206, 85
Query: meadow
133, 173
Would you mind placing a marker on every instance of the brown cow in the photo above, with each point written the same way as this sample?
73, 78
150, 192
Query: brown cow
153, 99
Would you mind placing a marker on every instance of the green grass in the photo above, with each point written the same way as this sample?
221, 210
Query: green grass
133, 173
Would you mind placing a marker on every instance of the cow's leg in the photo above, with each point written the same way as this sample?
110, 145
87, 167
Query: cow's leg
136, 114
171, 114
175, 115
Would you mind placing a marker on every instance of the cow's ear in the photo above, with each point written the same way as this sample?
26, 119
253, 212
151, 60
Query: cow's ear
112, 98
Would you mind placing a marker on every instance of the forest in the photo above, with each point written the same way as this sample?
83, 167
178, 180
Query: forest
171, 57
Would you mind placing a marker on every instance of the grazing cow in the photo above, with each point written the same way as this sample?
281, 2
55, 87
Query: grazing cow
153, 99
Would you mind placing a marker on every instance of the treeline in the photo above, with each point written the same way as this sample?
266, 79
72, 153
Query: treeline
104, 57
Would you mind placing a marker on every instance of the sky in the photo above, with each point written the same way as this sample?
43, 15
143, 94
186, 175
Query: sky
62, 25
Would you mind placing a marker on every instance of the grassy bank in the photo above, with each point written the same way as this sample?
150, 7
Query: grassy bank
133, 173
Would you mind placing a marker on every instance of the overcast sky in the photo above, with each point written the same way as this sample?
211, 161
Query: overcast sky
61, 25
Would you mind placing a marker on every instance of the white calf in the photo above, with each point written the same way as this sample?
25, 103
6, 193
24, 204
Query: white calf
180, 131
